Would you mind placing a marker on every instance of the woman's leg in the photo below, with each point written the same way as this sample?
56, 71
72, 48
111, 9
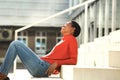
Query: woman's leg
33, 63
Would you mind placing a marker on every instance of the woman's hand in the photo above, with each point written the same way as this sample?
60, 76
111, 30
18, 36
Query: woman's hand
51, 68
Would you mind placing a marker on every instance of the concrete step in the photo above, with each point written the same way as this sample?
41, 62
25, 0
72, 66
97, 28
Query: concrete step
89, 73
51, 78
23, 74
114, 58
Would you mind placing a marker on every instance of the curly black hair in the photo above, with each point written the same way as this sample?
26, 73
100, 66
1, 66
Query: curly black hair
77, 28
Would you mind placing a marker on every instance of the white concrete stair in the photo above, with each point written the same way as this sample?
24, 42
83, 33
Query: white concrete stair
114, 58
23, 74
89, 73
51, 78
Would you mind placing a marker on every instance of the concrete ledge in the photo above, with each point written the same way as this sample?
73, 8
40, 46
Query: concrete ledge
114, 59
51, 78
67, 72
89, 73
96, 74
23, 74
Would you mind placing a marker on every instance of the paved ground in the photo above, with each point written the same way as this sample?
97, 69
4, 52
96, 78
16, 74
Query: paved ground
23, 74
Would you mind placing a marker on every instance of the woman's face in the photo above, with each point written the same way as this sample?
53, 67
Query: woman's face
67, 29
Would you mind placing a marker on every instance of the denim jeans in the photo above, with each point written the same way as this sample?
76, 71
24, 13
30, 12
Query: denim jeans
31, 61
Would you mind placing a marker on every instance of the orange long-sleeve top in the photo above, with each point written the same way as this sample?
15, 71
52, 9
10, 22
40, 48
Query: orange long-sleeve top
64, 53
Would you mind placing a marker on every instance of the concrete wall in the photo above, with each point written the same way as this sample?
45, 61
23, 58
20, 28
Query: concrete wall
23, 12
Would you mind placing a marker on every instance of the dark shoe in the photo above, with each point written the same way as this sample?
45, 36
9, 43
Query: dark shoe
3, 76
7, 78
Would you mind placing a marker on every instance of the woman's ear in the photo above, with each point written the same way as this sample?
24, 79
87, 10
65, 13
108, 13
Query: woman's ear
73, 30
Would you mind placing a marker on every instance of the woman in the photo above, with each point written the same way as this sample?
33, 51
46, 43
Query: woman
63, 53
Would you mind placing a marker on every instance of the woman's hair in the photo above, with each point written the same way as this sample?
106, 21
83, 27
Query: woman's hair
77, 28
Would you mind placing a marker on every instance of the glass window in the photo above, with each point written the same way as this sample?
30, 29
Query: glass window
40, 43
23, 37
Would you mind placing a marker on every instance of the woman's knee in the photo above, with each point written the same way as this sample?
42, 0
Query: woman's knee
15, 43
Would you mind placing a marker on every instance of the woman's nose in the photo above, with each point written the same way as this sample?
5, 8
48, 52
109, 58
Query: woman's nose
62, 27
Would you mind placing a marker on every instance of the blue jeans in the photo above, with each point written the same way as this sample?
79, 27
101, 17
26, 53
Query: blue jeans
31, 61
